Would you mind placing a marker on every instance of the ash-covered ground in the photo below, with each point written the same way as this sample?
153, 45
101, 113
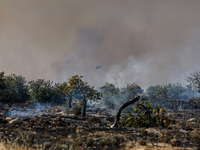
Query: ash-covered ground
56, 128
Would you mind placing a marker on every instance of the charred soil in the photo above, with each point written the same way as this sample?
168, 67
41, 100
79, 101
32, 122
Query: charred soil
62, 130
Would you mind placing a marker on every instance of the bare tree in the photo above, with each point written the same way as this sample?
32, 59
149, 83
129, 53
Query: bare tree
194, 79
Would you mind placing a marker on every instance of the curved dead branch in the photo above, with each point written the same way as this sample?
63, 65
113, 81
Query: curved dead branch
122, 108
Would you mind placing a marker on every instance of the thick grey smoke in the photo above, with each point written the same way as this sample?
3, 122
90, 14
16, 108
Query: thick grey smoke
144, 41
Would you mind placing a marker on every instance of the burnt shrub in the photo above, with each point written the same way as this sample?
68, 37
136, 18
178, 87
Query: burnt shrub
95, 120
3, 120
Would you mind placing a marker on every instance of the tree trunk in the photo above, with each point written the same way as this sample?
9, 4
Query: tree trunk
117, 118
70, 102
84, 106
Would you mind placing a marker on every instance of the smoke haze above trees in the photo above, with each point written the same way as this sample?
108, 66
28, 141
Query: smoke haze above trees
147, 42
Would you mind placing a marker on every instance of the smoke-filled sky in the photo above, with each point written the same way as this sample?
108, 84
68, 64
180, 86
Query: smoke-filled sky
144, 41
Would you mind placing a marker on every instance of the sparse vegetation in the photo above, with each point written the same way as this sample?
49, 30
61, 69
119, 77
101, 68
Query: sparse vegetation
90, 142
195, 136
144, 124
111, 141
95, 120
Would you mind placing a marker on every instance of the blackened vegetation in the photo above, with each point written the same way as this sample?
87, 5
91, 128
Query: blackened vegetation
3, 120
58, 130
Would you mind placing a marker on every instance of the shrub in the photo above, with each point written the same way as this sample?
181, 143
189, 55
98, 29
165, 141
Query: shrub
110, 141
89, 142
47, 145
145, 116
142, 142
95, 120
195, 136
77, 108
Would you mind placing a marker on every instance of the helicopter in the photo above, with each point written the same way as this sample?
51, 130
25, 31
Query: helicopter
98, 66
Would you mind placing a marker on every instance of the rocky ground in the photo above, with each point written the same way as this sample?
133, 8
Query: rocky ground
58, 129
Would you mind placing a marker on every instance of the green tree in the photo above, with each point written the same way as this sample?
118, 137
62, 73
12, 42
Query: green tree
130, 91
109, 88
78, 89
157, 94
40, 90
45, 91
2, 86
176, 91
15, 89
66, 89
161, 95
58, 96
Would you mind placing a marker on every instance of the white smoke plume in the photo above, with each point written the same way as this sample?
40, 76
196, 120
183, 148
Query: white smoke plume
30, 111
147, 42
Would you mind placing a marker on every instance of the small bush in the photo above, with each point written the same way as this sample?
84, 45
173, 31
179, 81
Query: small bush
94, 120
145, 116
89, 142
79, 142
110, 141
195, 136
28, 138
47, 145
77, 108
142, 142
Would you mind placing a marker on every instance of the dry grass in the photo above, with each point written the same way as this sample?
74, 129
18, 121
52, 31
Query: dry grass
77, 133
8, 147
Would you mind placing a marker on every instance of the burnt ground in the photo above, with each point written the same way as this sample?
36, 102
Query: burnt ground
62, 130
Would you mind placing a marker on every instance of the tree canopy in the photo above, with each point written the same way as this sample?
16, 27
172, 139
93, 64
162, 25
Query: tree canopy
13, 89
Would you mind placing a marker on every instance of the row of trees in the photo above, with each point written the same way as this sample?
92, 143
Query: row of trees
157, 95
15, 89
162, 95
113, 97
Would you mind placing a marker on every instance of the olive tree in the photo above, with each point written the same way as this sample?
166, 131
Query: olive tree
13, 88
